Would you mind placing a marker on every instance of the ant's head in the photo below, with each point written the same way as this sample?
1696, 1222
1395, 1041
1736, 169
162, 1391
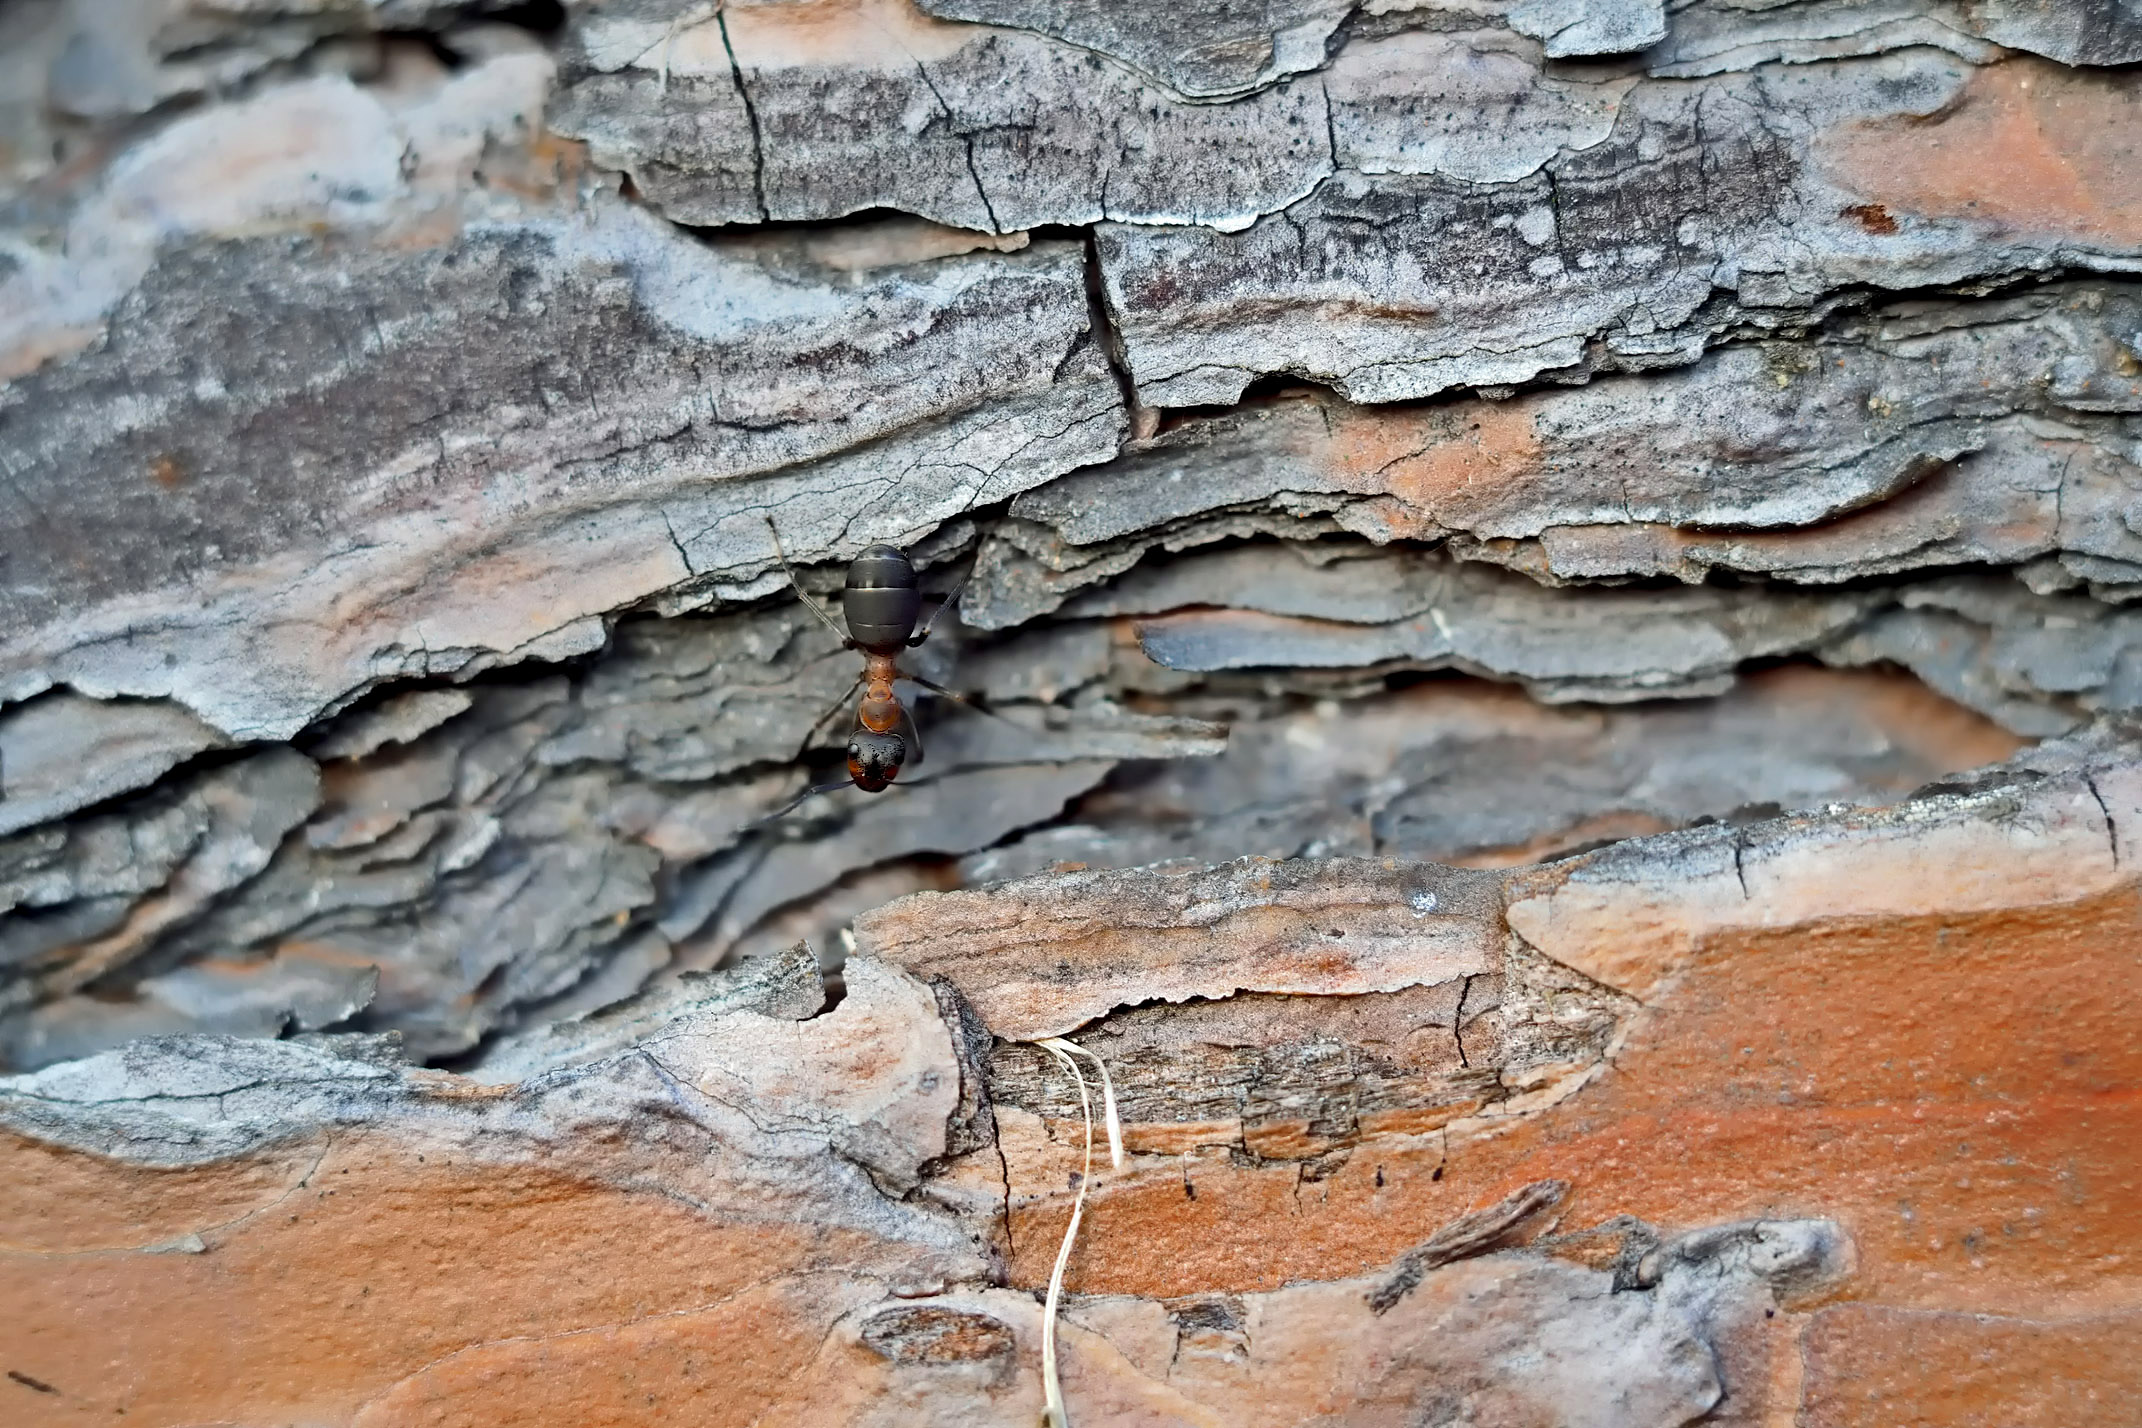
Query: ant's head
874, 759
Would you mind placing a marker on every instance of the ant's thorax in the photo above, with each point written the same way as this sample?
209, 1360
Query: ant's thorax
879, 708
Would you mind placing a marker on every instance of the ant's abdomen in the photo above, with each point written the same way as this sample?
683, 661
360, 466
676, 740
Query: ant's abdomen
882, 602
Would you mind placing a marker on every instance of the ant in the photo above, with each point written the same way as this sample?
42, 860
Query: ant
881, 603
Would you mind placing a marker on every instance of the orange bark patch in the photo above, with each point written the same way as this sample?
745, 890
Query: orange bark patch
1887, 1368
1585, 832
383, 1262
2029, 146
1213, 1222
1963, 1093
721, 1367
1959, 1092
56, 1201
1940, 733
1435, 464
1872, 217
863, 34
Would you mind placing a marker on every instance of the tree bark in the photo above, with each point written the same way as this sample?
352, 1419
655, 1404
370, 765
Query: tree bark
1547, 589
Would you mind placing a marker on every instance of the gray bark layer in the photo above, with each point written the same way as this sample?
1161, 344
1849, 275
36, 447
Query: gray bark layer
395, 569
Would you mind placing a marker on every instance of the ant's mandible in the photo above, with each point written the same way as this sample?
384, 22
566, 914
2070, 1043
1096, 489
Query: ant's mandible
882, 601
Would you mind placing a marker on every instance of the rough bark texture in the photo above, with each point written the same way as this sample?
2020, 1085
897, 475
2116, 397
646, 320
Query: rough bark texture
1551, 585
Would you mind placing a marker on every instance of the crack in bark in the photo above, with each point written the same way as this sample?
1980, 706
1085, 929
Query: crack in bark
682, 555
966, 139
751, 117
2112, 828
1457, 1022
1101, 323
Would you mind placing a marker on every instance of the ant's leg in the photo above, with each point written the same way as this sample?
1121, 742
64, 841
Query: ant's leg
970, 700
797, 586
834, 708
913, 736
945, 604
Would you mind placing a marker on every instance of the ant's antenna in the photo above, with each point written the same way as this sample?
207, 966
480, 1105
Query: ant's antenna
797, 586
830, 786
